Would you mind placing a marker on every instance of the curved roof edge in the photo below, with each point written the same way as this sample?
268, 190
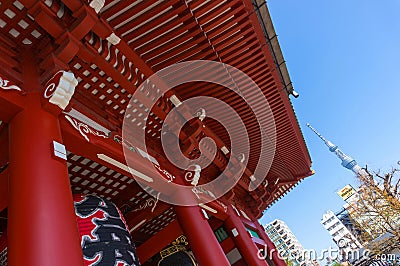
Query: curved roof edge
267, 26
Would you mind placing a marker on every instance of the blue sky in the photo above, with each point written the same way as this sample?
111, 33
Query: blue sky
343, 57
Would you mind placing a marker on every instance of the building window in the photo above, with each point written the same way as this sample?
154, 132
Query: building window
221, 234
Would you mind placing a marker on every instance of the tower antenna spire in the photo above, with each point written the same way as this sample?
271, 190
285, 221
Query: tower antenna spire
347, 161
316, 132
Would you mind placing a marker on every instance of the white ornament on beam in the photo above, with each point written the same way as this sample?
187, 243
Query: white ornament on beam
193, 177
5, 85
60, 88
201, 114
113, 39
97, 5
84, 129
150, 202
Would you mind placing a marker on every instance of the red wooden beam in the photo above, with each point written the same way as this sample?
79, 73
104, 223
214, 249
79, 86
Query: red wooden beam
220, 212
133, 219
11, 102
103, 29
156, 243
76, 143
155, 10
186, 31
107, 152
118, 77
242, 239
45, 17
227, 245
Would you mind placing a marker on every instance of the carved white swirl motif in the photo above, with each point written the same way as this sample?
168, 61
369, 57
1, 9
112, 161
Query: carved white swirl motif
165, 173
151, 202
193, 178
85, 129
241, 157
188, 176
210, 148
5, 85
49, 91
60, 88
201, 114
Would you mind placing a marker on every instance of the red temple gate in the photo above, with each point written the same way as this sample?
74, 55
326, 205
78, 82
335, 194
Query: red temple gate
69, 73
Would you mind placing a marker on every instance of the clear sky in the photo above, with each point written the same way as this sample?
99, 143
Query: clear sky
343, 57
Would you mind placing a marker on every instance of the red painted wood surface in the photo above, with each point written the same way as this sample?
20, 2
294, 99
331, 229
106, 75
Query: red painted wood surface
243, 241
42, 228
70, 35
202, 240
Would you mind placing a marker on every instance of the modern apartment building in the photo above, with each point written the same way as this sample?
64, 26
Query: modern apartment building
286, 242
344, 237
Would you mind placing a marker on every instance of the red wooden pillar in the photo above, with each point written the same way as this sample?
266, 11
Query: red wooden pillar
271, 249
242, 240
42, 228
201, 237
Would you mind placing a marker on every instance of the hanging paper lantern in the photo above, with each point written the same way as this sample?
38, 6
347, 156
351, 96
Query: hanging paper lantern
3, 249
104, 236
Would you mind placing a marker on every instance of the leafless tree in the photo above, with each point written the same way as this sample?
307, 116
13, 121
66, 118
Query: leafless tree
375, 209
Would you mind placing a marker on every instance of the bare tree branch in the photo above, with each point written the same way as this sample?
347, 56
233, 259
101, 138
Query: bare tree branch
376, 209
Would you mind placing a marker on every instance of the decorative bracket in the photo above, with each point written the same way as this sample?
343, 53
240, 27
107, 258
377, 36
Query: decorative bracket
7, 85
193, 178
198, 191
84, 129
60, 88
150, 202
241, 158
201, 114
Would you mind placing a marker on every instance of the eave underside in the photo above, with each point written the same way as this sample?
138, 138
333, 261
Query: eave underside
154, 34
